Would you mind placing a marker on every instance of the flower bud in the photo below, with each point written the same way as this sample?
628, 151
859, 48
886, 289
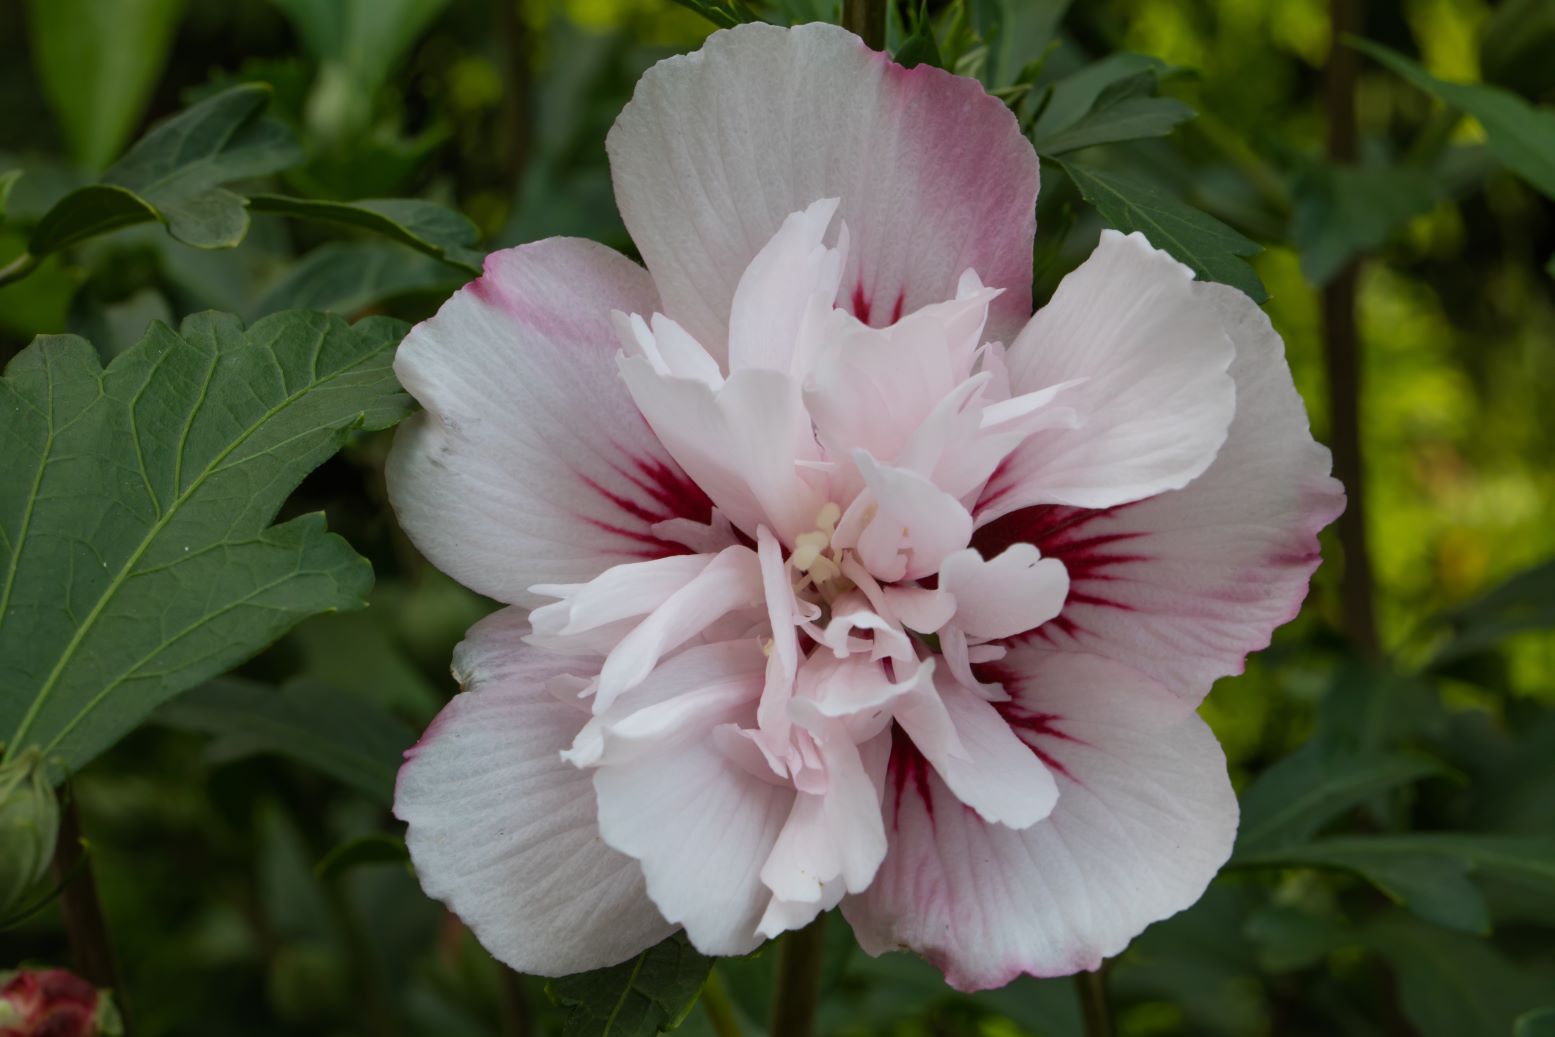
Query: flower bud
53, 1003
29, 823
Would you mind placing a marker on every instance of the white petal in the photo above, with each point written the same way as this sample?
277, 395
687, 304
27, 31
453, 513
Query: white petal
792, 275
730, 581
1145, 817
1014, 592
1155, 401
1184, 585
702, 826
718, 147
904, 526
529, 462
504, 832
739, 442
985, 764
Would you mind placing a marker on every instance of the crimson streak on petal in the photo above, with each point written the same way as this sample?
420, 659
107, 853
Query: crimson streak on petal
671, 495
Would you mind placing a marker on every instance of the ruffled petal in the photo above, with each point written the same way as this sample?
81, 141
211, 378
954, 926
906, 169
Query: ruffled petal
1005, 595
1145, 817
529, 463
701, 824
1155, 400
718, 147
739, 441
1184, 585
978, 757
504, 832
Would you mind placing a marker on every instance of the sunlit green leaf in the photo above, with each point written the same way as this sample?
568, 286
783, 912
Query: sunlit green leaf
137, 557
438, 231
643, 996
1210, 247
1521, 135
99, 63
342, 735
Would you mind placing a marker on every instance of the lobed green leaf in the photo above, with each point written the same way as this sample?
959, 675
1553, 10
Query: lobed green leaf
137, 557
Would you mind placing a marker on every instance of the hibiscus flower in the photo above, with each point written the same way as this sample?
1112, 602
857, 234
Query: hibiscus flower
834, 576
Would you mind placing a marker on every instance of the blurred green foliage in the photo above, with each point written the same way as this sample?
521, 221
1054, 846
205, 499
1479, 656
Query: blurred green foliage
1395, 874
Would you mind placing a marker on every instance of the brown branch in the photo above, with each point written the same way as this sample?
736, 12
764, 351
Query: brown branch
798, 985
867, 18
1342, 347
1094, 1006
81, 910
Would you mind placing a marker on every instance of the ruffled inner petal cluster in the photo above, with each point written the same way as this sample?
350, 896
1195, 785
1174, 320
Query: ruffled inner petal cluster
850, 584
849, 462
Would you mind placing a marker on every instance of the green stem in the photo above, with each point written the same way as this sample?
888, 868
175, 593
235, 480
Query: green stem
719, 1009
867, 19
798, 984
18, 268
1093, 1003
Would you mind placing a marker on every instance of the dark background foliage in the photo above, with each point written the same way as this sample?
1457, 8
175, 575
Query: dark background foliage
1395, 747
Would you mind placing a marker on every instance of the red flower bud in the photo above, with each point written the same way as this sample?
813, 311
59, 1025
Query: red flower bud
51, 1003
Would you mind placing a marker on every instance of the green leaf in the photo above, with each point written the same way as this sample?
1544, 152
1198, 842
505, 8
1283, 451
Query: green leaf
1519, 134
348, 277
1210, 247
372, 848
137, 557
1524, 602
1427, 871
99, 63
1340, 213
174, 174
1296, 797
725, 14
424, 226
1451, 984
89, 212
1072, 98
1017, 32
344, 736
7, 181
920, 48
1134, 118
1538, 1023
647, 995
